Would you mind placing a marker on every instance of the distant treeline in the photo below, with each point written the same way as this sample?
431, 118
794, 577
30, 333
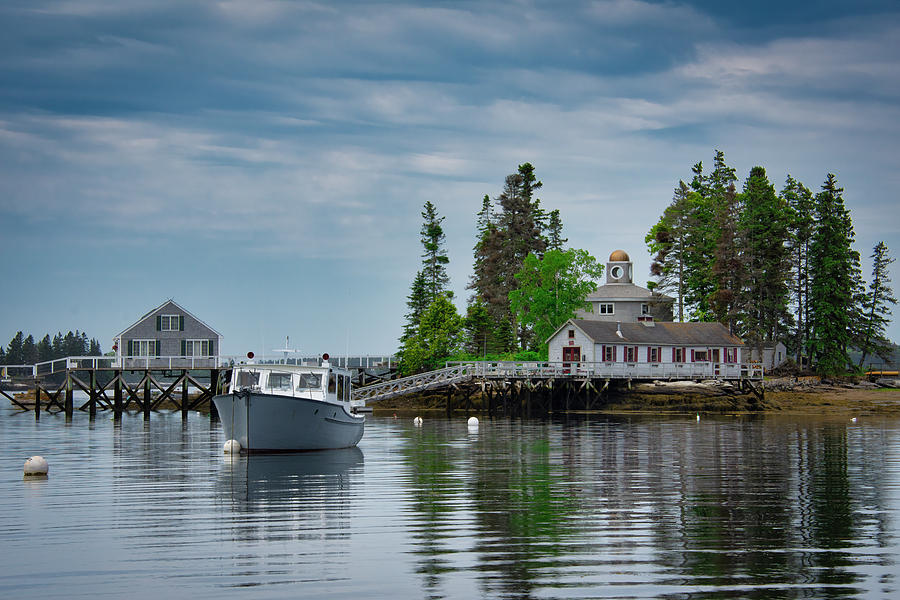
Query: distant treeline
24, 350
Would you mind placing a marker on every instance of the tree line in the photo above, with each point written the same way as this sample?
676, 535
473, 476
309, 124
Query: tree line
772, 266
23, 350
524, 282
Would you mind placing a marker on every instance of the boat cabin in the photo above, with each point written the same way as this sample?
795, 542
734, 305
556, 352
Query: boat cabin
317, 383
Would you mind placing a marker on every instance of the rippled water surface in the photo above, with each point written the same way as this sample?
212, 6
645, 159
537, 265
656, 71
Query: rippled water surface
598, 507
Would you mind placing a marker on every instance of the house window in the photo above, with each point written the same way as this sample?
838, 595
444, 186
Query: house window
170, 323
653, 355
609, 353
678, 355
606, 308
631, 354
571, 334
699, 355
197, 347
645, 309
143, 348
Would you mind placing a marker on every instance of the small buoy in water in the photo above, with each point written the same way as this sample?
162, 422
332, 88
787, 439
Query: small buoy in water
698, 416
853, 420
232, 447
36, 466
473, 421
417, 421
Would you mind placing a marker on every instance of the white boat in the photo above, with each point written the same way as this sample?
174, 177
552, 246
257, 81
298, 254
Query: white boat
273, 407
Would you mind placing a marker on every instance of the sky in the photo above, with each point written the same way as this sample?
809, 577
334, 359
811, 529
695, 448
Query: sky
264, 163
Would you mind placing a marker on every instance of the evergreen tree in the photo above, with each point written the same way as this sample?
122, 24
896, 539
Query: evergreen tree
479, 329
440, 335
29, 351
877, 308
3, 356
764, 232
728, 267
416, 302
94, 348
800, 200
555, 240
834, 272
434, 257
505, 239
667, 242
14, 355
45, 349
59, 350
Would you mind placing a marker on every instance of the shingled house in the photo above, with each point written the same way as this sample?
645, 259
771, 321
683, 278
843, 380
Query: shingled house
649, 348
168, 335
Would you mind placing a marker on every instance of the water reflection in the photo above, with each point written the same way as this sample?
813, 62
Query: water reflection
738, 508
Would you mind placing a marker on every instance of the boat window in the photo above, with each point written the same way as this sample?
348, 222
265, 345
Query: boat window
247, 379
346, 388
309, 381
340, 387
279, 381
332, 384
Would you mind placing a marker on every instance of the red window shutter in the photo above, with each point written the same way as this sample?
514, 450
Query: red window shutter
692, 355
673, 353
615, 348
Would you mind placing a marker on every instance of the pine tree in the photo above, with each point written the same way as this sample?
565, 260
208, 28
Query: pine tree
555, 240
667, 242
416, 302
29, 351
800, 200
765, 232
434, 257
877, 309
505, 239
45, 349
14, 354
834, 271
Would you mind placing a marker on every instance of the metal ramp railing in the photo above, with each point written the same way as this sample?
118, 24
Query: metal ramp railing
415, 383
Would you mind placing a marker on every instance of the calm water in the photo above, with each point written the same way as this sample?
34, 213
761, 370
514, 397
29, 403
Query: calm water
604, 507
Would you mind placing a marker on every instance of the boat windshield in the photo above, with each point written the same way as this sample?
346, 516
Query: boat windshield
309, 381
280, 381
247, 379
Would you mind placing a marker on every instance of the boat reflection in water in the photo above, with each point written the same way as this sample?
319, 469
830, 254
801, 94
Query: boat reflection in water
307, 481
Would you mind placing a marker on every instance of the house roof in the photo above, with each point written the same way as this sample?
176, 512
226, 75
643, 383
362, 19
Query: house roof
625, 291
661, 333
181, 308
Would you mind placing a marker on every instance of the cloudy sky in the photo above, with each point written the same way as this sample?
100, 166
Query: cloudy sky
264, 163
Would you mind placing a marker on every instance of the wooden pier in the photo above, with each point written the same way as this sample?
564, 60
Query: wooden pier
147, 384
513, 388
516, 388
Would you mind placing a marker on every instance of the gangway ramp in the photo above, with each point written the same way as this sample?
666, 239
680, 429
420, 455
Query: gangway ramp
415, 383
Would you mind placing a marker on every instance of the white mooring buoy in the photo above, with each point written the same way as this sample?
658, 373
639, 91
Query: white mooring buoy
417, 421
36, 466
232, 447
472, 422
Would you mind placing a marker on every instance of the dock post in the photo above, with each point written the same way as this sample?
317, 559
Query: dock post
449, 401
184, 394
70, 396
92, 404
117, 395
37, 399
146, 405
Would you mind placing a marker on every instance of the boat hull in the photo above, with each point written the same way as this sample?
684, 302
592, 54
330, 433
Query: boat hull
272, 423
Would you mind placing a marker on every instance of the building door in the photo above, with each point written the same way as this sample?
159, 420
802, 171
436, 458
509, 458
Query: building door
715, 360
571, 354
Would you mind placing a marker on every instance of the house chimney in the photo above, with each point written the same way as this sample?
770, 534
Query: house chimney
619, 330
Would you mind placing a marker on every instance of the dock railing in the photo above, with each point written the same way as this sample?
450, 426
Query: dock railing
455, 372
616, 370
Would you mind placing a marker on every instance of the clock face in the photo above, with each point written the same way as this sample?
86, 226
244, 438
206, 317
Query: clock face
616, 272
